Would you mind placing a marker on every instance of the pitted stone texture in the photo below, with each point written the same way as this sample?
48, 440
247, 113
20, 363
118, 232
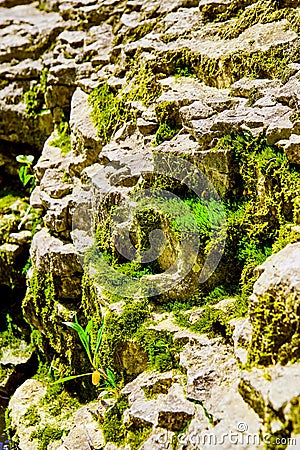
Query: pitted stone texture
53, 183
212, 380
85, 433
278, 287
57, 218
25, 30
85, 142
242, 333
275, 391
28, 394
51, 158
50, 253
171, 411
281, 270
291, 147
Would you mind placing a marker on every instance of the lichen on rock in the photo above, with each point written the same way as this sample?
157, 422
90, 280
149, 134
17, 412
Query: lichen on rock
123, 105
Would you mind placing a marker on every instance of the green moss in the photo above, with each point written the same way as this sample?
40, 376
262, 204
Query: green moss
213, 321
113, 427
110, 110
167, 116
222, 72
287, 235
34, 99
264, 11
6, 201
40, 305
138, 32
47, 435
63, 140
275, 324
136, 438
32, 416
160, 348
119, 328
164, 133
58, 402
255, 215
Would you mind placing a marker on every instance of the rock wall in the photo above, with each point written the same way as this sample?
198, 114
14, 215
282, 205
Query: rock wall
181, 117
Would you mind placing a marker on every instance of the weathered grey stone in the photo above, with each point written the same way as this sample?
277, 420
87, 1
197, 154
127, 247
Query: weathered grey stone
85, 141
277, 392
25, 31
174, 411
27, 69
20, 238
146, 127
276, 289
290, 93
171, 411
85, 433
196, 110
57, 216
28, 394
51, 158
279, 130
150, 384
47, 250
245, 86
53, 183
159, 438
241, 336
141, 413
291, 148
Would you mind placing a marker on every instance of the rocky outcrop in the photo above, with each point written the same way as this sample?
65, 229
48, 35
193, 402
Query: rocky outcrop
147, 118
273, 309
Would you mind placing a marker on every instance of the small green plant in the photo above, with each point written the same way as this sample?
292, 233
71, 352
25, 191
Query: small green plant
111, 111
26, 172
35, 98
93, 356
63, 140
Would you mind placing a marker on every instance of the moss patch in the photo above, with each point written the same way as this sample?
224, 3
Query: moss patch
110, 110
63, 140
34, 99
264, 11
47, 435
275, 323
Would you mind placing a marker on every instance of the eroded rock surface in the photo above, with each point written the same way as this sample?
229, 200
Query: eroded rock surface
180, 76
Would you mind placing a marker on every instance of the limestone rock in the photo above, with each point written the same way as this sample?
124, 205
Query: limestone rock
242, 333
159, 438
28, 394
246, 86
174, 411
53, 183
171, 411
278, 284
57, 217
292, 148
50, 253
279, 130
273, 395
150, 384
85, 433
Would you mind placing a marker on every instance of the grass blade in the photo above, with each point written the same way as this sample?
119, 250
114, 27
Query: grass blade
82, 336
71, 377
111, 378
